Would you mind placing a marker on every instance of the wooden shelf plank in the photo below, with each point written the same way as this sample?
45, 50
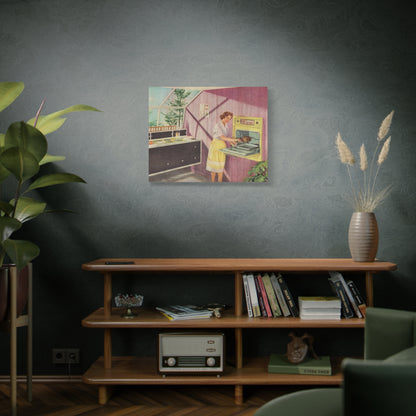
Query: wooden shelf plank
143, 370
154, 319
232, 265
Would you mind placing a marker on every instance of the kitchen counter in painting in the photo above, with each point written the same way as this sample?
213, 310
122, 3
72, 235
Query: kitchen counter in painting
170, 141
173, 153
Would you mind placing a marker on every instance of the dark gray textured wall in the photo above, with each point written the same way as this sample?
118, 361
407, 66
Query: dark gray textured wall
329, 66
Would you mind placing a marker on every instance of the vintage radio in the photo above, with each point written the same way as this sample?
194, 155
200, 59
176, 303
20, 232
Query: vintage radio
191, 352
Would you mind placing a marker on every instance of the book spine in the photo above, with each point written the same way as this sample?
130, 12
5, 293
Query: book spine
253, 296
288, 297
347, 290
265, 297
338, 289
357, 296
315, 372
272, 297
260, 298
247, 294
279, 295
300, 370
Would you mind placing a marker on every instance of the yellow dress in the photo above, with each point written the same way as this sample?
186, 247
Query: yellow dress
216, 158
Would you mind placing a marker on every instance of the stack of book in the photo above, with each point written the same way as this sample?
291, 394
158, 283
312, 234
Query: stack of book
319, 307
352, 303
267, 295
182, 312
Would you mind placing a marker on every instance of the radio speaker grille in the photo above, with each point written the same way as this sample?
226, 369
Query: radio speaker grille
191, 361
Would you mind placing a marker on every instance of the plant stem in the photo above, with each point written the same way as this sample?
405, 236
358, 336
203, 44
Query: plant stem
38, 112
16, 198
354, 197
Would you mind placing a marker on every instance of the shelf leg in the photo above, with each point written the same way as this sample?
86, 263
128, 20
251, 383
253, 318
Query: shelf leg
238, 395
238, 389
104, 394
107, 294
238, 291
107, 348
29, 335
369, 288
107, 313
13, 340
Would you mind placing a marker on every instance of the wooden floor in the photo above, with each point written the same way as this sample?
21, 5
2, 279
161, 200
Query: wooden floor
75, 399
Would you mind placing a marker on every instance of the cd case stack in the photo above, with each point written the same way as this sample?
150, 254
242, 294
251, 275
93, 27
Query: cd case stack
319, 307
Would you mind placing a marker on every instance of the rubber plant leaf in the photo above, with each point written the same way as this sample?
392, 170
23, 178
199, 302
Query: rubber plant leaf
4, 173
20, 162
51, 122
54, 179
6, 207
49, 159
7, 227
47, 126
26, 137
21, 252
9, 91
28, 208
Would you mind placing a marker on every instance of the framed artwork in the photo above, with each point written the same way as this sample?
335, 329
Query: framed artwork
208, 134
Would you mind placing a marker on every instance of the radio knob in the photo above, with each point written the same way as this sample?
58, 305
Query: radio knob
171, 362
211, 362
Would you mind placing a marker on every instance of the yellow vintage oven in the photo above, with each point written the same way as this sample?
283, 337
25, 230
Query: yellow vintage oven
250, 132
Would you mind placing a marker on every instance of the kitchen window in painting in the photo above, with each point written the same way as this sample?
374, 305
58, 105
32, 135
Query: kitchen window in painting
207, 134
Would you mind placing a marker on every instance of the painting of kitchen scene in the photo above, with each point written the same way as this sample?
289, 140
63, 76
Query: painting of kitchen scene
207, 134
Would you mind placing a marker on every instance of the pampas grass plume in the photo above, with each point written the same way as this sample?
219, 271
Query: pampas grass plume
385, 127
384, 151
363, 158
345, 153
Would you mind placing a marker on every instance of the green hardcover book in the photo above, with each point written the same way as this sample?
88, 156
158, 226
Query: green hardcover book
310, 366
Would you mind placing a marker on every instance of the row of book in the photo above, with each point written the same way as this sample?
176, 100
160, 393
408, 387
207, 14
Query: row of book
268, 295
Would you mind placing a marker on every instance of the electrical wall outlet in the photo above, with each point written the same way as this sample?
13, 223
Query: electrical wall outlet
65, 356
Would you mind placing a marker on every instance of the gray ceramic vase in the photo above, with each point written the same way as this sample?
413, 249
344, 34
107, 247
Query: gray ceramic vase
363, 236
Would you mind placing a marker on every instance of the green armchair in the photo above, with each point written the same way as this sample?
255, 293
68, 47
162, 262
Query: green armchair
384, 383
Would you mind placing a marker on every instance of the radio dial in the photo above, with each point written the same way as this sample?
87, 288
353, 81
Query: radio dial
211, 362
171, 362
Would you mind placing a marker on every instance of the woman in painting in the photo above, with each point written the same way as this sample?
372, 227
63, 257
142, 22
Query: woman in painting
216, 158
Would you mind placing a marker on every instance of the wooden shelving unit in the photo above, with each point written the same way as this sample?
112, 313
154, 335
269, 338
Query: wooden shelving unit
11, 325
109, 370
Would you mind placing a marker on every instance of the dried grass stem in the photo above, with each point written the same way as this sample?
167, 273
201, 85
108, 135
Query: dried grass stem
366, 199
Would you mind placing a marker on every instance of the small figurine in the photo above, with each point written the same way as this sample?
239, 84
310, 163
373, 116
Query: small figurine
216, 308
298, 348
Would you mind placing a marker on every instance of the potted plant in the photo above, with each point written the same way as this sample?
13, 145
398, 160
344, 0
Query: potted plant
23, 152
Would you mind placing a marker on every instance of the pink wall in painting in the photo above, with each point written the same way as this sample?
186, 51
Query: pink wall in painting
241, 101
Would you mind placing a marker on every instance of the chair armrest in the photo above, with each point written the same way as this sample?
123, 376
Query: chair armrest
311, 402
388, 331
378, 388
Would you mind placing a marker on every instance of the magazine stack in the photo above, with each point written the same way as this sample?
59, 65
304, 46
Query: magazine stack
183, 312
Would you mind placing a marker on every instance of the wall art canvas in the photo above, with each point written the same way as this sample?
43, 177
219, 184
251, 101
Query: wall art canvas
208, 134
